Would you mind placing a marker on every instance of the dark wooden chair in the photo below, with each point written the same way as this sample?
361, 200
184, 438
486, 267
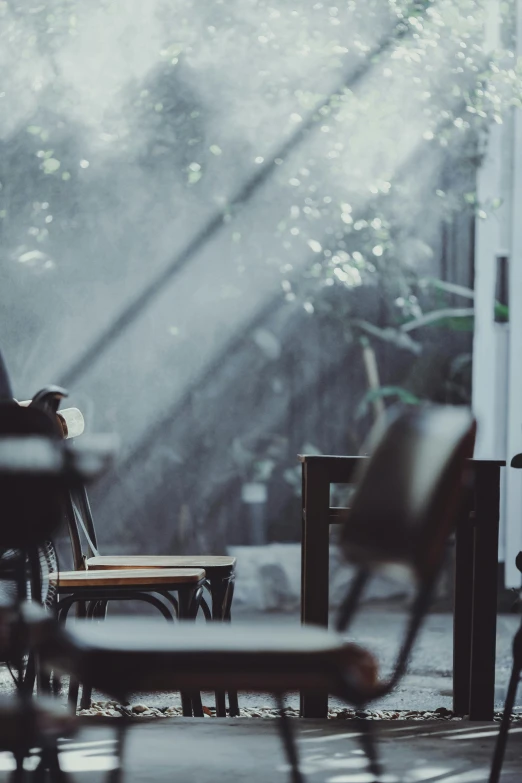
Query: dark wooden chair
98, 579
402, 513
219, 569
514, 680
219, 578
91, 591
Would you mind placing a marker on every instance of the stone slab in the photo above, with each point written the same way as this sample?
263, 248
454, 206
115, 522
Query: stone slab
196, 750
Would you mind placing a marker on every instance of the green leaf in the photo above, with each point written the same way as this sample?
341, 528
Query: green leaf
389, 335
193, 177
457, 318
50, 165
450, 288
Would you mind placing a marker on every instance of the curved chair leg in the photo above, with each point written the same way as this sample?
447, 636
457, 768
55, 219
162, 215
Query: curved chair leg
64, 607
500, 748
189, 603
169, 598
205, 608
101, 610
218, 591
154, 599
222, 591
98, 610
233, 703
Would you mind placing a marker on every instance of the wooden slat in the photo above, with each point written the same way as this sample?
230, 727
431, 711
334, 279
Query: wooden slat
338, 469
127, 577
112, 562
334, 461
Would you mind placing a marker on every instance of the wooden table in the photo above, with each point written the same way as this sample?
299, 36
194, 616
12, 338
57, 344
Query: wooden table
476, 558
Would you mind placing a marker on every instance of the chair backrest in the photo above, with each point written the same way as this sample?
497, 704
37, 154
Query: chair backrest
5, 383
81, 528
407, 494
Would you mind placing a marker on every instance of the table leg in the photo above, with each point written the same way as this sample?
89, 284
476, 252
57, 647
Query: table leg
484, 617
315, 567
462, 611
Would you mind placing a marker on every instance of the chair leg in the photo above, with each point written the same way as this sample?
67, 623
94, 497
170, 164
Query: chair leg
116, 775
50, 762
81, 612
189, 601
218, 593
221, 704
222, 592
97, 611
367, 740
288, 738
159, 601
500, 748
233, 703
171, 600
18, 775
29, 678
86, 699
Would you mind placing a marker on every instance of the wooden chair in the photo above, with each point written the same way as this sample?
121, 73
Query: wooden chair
98, 579
91, 591
402, 514
219, 569
514, 680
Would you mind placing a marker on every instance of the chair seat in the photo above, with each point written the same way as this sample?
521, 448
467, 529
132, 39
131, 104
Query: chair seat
122, 656
139, 576
208, 562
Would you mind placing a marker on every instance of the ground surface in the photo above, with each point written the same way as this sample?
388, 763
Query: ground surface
428, 683
196, 750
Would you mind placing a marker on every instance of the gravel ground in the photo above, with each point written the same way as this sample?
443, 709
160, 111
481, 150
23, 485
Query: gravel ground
111, 709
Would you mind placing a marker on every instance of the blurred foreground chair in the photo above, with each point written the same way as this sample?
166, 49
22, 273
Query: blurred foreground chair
402, 513
36, 469
500, 748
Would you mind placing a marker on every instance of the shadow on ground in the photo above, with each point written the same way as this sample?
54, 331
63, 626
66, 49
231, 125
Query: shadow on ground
195, 750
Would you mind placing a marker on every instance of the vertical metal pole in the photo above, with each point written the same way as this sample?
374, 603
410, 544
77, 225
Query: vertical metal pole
484, 618
315, 566
463, 609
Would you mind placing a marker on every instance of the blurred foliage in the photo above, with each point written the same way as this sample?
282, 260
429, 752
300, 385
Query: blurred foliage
95, 91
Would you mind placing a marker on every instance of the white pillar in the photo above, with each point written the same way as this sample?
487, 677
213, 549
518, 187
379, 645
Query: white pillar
514, 432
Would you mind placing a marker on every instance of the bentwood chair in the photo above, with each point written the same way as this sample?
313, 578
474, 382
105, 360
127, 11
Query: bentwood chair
402, 513
91, 591
219, 569
98, 578
514, 680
